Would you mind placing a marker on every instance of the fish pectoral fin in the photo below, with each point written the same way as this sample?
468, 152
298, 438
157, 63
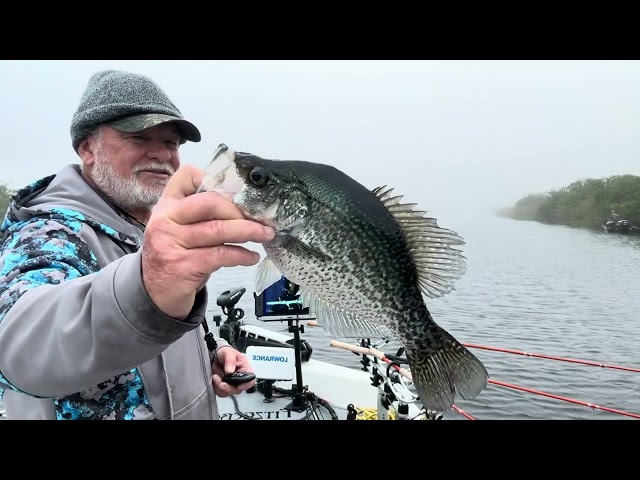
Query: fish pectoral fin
341, 323
266, 275
439, 265
304, 251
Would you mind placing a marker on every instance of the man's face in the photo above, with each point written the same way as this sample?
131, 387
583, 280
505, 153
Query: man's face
133, 168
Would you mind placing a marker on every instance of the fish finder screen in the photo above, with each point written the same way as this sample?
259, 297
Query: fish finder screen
280, 300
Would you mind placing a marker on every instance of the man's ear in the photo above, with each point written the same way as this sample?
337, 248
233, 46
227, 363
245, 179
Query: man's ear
86, 150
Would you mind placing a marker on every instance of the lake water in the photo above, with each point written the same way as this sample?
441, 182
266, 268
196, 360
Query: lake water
531, 287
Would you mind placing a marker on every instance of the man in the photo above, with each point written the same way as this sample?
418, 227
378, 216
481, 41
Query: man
104, 265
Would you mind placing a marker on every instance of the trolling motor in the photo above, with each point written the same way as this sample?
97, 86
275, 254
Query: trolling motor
230, 329
228, 300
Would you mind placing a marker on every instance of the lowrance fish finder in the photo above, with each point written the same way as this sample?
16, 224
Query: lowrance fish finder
281, 301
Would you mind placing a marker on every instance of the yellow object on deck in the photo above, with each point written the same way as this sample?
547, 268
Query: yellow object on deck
372, 414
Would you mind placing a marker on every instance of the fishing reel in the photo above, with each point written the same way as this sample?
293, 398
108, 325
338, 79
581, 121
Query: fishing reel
392, 385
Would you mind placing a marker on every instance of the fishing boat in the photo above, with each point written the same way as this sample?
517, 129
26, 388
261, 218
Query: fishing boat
292, 385
310, 389
621, 226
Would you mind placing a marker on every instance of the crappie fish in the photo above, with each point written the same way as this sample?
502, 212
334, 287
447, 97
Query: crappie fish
363, 261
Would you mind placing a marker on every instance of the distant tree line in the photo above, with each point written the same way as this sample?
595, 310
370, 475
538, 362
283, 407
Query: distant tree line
585, 203
5, 194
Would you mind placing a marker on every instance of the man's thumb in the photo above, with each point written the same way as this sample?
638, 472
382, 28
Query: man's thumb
229, 364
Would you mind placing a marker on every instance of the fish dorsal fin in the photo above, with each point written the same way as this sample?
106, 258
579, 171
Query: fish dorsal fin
439, 265
340, 323
266, 275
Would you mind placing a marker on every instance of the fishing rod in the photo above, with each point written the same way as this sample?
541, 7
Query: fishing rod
462, 412
565, 399
381, 356
551, 357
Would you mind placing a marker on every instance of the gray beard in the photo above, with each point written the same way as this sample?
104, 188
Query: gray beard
128, 193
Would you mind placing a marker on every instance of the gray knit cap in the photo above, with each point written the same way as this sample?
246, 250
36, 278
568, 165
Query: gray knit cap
128, 102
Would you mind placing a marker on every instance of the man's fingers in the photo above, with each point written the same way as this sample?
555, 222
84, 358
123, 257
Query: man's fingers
203, 261
203, 206
184, 182
218, 232
223, 389
216, 370
213, 258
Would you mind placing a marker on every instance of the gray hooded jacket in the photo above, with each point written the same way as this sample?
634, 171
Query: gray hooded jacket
79, 336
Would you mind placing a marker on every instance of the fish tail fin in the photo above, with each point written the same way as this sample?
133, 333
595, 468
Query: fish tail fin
442, 367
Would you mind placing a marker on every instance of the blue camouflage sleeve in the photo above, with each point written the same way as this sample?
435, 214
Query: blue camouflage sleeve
42, 251
39, 252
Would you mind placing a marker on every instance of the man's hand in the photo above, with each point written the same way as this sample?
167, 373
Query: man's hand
186, 240
227, 361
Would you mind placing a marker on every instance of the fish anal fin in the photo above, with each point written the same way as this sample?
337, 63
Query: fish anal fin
341, 323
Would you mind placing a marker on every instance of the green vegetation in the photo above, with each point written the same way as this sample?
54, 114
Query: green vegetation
5, 193
585, 203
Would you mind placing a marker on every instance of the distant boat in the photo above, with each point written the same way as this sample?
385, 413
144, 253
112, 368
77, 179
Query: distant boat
620, 226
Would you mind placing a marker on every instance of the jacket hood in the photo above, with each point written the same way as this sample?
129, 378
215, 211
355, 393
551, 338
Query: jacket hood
67, 195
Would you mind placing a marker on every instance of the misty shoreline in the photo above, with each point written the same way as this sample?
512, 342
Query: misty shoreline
582, 204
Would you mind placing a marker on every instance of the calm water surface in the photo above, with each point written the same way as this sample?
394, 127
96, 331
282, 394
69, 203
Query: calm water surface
532, 287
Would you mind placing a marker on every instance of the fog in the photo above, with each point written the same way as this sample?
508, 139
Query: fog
472, 135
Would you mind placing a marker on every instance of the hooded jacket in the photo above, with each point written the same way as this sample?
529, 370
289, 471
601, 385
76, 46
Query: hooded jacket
80, 338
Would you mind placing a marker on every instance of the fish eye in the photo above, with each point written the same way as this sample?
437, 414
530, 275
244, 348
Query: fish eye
258, 177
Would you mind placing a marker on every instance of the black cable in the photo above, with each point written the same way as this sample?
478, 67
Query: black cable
315, 402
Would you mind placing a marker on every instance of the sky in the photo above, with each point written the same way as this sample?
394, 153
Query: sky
475, 135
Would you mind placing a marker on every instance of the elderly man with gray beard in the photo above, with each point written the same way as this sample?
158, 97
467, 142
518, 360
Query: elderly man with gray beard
104, 265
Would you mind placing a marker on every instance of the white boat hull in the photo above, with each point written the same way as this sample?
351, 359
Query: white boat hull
338, 385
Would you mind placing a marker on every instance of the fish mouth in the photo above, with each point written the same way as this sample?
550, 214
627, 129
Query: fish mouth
222, 148
217, 173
